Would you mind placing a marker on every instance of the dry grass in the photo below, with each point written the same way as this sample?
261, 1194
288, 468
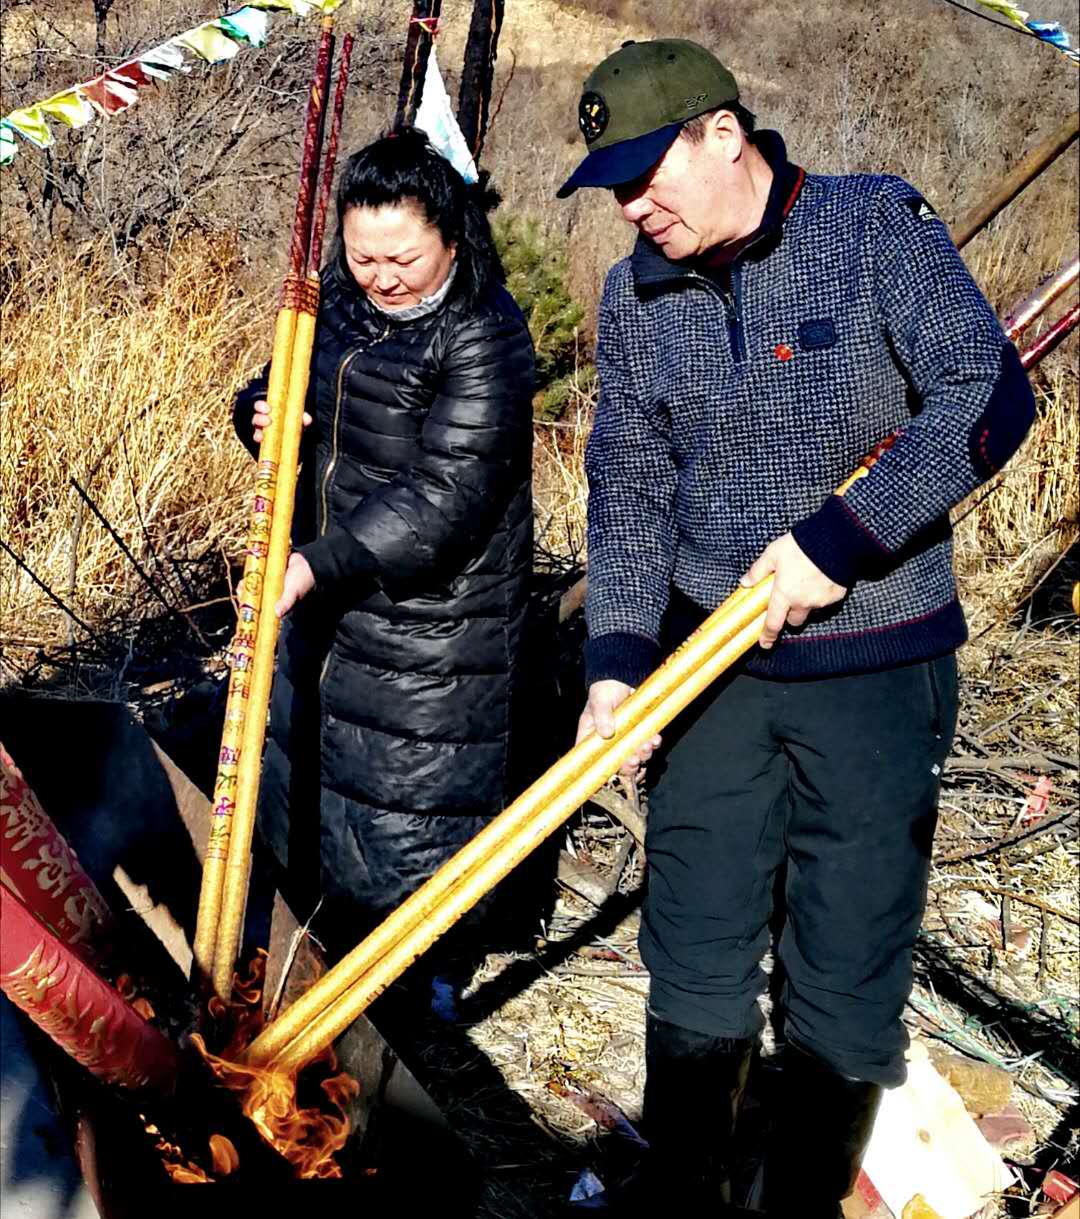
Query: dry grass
560, 495
1011, 533
129, 395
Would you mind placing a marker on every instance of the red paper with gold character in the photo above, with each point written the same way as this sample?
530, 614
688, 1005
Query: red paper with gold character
43, 872
80, 1011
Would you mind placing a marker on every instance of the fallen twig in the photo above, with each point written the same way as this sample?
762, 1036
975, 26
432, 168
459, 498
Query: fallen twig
1037, 902
1000, 844
962, 762
1018, 711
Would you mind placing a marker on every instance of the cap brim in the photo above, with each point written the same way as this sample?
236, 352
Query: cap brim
621, 162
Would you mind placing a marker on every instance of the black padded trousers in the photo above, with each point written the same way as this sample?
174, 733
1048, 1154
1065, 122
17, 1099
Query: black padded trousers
833, 784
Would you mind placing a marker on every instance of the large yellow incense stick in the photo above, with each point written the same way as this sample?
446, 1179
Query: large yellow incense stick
306, 302
439, 916
242, 652
552, 798
236, 767
234, 888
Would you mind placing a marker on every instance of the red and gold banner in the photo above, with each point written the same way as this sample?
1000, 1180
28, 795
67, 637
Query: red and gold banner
79, 1010
43, 872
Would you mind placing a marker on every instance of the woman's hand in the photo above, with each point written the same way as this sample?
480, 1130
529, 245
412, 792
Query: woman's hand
299, 581
260, 419
599, 717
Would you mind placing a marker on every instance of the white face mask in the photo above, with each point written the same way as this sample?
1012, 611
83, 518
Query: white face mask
423, 307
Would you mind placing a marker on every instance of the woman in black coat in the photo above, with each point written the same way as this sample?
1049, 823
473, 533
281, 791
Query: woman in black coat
398, 676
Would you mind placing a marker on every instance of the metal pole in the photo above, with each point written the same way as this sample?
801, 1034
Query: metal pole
1054, 337
1022, 315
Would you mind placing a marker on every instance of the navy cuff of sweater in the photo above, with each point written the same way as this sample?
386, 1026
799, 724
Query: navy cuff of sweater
834, 541
336, 557
620, 656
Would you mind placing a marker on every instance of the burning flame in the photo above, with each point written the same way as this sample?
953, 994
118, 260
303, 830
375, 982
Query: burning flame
224, 1155
308, 1138
181, 1170
129, 991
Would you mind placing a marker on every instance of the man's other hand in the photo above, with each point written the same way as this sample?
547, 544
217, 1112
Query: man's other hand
599, 717
800, 587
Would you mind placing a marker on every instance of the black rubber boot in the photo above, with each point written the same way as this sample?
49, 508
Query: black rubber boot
821, 1125
693, 1086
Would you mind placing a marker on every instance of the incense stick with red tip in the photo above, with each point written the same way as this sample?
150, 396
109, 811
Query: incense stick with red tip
247, 669
289, 421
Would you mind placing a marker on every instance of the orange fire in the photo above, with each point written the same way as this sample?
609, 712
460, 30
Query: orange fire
184, 1171
308, 1138
223, 1154
125, 984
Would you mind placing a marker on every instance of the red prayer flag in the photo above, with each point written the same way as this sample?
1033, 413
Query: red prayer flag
130, 73
110, 94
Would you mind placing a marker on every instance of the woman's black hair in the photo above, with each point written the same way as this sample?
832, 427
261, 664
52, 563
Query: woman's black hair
403, 167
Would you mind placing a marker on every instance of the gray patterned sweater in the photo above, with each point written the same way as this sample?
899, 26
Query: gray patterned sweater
733, 402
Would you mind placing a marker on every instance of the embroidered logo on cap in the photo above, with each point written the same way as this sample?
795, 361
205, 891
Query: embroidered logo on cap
592, 116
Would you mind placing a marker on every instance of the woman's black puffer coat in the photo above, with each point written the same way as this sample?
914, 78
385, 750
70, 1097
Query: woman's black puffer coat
398, 676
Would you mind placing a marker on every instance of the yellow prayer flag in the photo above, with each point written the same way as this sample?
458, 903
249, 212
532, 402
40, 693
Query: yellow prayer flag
209, 43
31, 124
1009, 10
69, 107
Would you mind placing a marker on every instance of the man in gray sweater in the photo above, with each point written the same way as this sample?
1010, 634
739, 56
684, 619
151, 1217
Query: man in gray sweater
770, 328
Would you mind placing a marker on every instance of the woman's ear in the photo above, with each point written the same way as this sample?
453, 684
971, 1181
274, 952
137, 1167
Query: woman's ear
452, 247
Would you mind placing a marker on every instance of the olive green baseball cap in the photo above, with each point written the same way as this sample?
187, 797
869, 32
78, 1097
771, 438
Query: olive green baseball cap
635, 103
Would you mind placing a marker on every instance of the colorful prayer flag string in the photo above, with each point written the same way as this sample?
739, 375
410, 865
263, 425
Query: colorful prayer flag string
117, 89
1047, 31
